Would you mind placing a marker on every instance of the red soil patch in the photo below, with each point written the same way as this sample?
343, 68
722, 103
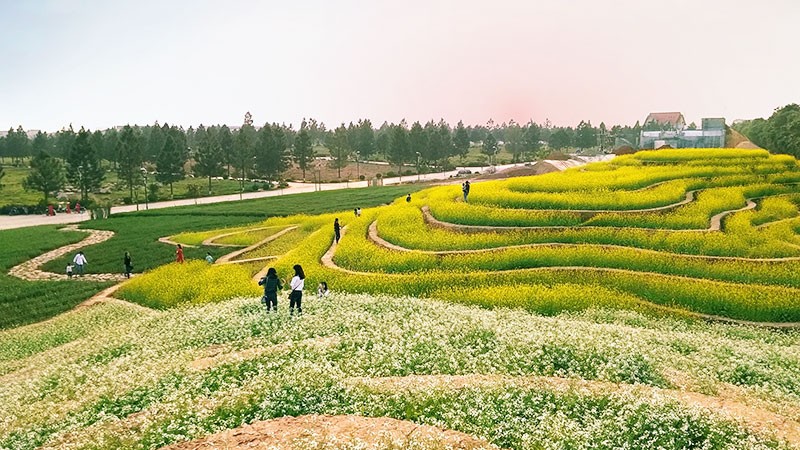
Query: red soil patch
539, 168
330, 432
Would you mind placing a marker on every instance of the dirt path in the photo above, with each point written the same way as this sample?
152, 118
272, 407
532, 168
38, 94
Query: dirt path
227, 259
756, 419
332, 432
30, 270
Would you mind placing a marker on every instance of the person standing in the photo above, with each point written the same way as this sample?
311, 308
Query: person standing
79, 260
128, 265
297, 284
179, 254
272, 284
337, 230
69, 271
465, 189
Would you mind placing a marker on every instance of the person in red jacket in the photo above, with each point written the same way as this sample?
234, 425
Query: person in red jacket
179, 254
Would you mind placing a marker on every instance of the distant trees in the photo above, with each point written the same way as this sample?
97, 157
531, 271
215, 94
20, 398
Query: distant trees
338, 143
208, 155
271, 157
129, 150
530, 140
560, 139
585, 135
461, 140
780, 133
169, 163
399, 149
46, 176
85, 171
302, 150
489, 147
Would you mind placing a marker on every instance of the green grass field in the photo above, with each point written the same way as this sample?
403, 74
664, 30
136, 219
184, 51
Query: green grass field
25, 302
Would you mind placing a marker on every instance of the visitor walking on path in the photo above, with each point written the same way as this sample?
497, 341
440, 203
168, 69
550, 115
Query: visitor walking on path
128, 265
179, 254
297, 284
465, 189
272, 284
337, 230
79, 260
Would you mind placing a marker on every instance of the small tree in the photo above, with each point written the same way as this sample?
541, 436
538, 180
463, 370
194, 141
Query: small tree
208, 157
530, 140
129, 156
399, 147
193, 191
46, 176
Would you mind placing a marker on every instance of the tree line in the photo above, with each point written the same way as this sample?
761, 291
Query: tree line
169, 153
780, 133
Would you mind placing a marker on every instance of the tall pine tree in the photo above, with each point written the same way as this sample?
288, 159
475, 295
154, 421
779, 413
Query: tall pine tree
169, 165
85, 171
129, 149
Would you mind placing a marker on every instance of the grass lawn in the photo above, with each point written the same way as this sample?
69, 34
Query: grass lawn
26, 302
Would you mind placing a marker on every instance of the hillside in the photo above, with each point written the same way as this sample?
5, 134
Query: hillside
650, 301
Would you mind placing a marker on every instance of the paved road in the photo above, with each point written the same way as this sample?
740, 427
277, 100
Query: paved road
8, 222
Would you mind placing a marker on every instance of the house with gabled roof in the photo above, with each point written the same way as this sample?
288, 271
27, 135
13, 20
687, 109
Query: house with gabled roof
665, 120
669, 129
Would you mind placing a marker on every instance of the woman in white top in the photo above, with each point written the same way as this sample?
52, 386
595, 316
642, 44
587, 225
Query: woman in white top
297, 284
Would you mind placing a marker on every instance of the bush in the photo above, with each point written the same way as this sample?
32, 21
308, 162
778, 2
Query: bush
390, 174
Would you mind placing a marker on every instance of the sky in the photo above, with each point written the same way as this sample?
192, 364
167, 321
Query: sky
106, 63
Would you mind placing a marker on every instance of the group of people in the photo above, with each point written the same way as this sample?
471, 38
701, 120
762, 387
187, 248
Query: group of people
272, 284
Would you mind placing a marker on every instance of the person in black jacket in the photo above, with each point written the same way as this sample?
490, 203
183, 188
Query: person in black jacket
128, 264
337, 230
272, 284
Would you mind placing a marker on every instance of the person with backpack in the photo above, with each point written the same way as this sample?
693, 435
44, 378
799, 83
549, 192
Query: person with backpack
297, 284
272, 284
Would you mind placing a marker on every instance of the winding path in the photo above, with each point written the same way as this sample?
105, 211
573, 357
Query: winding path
30, 270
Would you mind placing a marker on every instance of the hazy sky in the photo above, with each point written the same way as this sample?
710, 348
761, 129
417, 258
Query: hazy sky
106, 63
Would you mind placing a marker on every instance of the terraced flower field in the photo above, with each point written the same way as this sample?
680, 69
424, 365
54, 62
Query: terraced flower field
626, 304
703, 233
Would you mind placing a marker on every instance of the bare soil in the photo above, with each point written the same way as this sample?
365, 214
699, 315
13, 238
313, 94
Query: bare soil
335, 432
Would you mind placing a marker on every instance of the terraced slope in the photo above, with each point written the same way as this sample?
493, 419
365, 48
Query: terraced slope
697, 233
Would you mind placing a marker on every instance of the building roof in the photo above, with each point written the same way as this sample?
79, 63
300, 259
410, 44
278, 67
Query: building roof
665, 118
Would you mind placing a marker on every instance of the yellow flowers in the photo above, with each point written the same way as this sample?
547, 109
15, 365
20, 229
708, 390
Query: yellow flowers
193, 282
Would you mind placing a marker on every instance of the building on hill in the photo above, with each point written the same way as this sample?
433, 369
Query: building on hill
665, 120
662, 129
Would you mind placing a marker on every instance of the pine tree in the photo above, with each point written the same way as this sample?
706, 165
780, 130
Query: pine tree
461, 140
302, 150
339, 144
85, 170
46, 176
208, 156
129, 149
169, 164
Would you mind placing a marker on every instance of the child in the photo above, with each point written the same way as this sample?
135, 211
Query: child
69, 271
322, 289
